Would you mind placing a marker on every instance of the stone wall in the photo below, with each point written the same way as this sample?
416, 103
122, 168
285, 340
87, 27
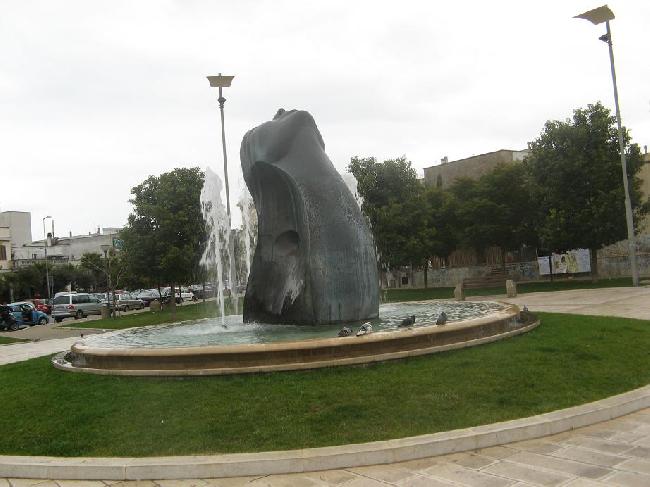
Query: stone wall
472, 167
613, 261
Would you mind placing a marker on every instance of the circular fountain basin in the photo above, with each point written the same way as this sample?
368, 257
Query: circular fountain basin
216, 347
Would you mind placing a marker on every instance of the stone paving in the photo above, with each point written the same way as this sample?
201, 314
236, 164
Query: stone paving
17, 352
626, 302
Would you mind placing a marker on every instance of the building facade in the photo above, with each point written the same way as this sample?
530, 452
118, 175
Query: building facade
17, 249
62, 250
444, 174
15, 231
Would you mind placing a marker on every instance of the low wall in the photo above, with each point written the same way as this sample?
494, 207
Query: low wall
609, 266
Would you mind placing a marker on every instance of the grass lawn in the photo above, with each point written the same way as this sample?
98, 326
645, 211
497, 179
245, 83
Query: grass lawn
6, 340
568, 360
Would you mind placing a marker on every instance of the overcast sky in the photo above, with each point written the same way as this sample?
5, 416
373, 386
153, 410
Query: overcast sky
97, 95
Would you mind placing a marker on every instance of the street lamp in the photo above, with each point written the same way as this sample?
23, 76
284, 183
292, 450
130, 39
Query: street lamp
598, 16
222, 82
47, 271
105, 248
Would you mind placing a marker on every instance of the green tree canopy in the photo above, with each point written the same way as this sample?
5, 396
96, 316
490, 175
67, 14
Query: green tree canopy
165, 233
393, 205
496, 210
577, 180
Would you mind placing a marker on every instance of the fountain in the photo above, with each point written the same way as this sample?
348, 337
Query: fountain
315, 260
313, 271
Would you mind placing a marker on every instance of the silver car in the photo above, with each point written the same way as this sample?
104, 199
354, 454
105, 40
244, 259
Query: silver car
126, 302
75, 305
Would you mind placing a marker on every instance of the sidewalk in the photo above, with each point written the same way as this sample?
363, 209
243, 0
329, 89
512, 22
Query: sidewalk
17, 352
625, 302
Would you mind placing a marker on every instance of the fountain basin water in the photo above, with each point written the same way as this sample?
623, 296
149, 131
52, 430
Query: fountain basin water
123, 353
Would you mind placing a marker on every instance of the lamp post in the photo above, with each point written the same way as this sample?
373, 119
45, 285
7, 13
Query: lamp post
222, 82
598, 16
47, 271
105, 248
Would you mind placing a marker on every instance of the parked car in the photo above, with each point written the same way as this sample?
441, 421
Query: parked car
7, 320
201, 293
27, 314
148, 295
126, 302
75, 305
43, 305
183, 294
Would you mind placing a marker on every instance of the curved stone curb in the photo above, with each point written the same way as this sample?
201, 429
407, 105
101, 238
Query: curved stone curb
296, 355
334, 457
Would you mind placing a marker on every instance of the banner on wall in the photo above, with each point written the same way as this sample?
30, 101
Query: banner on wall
571, 262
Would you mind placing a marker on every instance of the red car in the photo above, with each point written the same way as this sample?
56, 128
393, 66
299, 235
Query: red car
43, 305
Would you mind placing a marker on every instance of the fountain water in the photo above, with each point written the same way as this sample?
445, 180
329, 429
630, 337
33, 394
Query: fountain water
248, 235
218, 231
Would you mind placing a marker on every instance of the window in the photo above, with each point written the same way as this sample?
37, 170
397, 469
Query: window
3, 252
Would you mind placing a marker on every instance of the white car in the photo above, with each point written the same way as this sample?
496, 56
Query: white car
182, 294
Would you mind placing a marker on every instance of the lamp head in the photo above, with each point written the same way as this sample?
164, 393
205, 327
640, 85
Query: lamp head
220, 81
597, 15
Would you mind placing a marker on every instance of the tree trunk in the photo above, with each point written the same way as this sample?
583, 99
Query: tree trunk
426, 273
172, 303
593, 257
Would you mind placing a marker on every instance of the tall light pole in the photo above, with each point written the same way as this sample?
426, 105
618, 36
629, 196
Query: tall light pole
47, 271
105, 248
222, 82
598, 16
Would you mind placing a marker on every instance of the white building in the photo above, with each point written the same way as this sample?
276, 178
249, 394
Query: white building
15, 231
68, 249
18, 249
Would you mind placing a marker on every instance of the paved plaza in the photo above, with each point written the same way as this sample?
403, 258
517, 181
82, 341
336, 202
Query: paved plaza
615, 452
626, 302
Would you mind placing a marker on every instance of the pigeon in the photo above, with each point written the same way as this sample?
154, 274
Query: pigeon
407, 322
442, 319
345, 332
365, 329
525, 315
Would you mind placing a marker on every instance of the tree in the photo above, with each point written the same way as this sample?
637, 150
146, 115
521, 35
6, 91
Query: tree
496, 210
379, 184
442, 210
409, 223
165, 233
95, 265
576, 174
